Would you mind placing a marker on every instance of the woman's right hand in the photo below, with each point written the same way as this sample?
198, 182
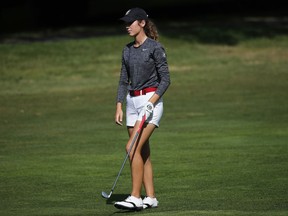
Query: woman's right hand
119, 114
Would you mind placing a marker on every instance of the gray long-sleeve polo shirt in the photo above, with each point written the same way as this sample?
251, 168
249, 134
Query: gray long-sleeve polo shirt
142, 67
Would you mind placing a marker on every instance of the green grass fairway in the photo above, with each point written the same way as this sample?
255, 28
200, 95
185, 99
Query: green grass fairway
221, 149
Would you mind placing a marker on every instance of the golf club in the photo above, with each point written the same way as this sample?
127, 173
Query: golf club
104, 194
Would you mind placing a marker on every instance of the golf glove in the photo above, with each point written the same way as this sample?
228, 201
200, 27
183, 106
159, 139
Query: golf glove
147, 109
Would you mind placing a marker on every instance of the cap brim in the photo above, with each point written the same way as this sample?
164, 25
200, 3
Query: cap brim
127, 19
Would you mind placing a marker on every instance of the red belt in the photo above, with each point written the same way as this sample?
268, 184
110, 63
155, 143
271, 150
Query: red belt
142, 92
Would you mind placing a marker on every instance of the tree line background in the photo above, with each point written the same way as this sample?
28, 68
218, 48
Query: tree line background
28, 15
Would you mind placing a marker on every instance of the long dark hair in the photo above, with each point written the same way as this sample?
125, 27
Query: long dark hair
151, 30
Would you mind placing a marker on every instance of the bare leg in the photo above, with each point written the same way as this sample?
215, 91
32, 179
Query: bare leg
148, 171
141, 167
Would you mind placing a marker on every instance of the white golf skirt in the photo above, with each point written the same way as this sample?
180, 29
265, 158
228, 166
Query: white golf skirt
134, 105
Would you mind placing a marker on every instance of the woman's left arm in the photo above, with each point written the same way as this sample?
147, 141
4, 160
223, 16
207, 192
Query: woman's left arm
163, 73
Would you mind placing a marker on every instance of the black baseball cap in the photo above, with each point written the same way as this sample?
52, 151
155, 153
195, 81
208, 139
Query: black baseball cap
134, 14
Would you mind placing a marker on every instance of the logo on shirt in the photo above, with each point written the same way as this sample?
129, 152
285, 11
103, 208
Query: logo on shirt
144, 50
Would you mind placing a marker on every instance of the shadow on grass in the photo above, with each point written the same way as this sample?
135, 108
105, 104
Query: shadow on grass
211, 30
116, 197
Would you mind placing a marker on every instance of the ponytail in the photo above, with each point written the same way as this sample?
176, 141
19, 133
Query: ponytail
151, 30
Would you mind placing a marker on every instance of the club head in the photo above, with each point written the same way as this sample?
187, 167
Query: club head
105, 195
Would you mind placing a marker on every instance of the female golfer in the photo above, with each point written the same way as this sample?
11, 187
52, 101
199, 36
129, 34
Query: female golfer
144, 78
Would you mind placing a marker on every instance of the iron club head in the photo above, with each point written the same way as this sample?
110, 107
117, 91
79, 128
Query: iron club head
105, 195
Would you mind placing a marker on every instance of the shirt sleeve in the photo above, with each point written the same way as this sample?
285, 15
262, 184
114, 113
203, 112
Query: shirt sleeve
123, 81
162, 70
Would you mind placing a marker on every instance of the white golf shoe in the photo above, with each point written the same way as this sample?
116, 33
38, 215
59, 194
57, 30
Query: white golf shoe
130, 203
149, 202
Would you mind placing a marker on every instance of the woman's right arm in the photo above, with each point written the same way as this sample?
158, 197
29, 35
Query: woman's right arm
121, 92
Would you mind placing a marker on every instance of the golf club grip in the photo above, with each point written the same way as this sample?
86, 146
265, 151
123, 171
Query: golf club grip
137, 134
142, 123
